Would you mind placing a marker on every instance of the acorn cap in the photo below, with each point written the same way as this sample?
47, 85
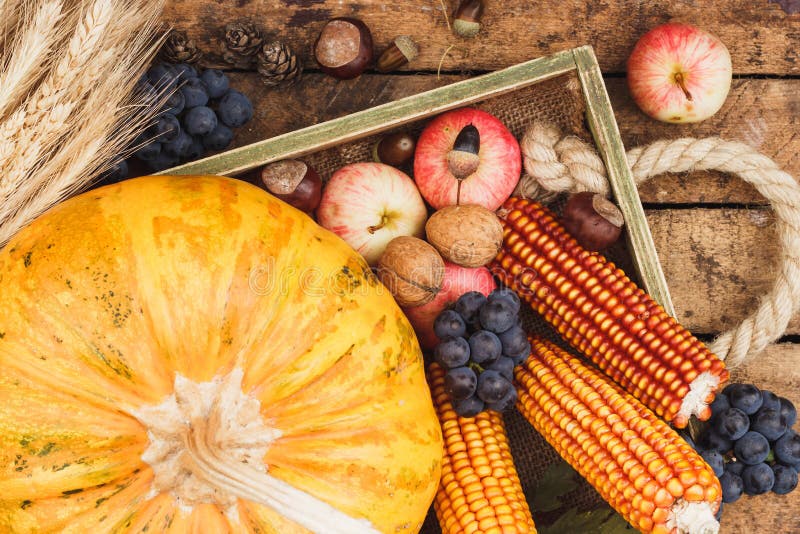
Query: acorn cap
466, 28
402, 50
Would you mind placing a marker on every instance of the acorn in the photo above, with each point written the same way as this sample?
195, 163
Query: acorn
593, 220
463, 160
467, 18
294, 182
402, 50
344, 48
395, 149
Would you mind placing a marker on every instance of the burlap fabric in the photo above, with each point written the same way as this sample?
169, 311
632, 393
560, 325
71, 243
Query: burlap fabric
558, 101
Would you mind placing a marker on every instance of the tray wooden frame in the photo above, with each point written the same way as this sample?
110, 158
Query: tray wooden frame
600, 118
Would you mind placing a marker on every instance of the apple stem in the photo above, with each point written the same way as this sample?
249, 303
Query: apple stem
374, 228
458, 193
682, 84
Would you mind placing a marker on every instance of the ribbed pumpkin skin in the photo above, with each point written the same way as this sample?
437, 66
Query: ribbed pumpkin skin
108, 295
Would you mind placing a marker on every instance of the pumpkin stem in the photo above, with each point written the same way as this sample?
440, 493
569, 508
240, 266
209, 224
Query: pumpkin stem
207, 444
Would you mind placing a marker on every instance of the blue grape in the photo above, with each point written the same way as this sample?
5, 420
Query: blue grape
769, 423
162, 76
497, 316
174, 104
469, 407
507, 294
452, 352
219, 138
732, 487
710, 440
235, 109
484, 347
735, 467
715, 460
787, 448
788, 411
520, 358
196, 149
503, 365
166, 128
752, 448
514, 341
785, 479
449, 324
460, 383
770, 400
200, 120
185, 71
745, 397
216, 81
492, 386
194, 93
731, 424
148, 151
719, 405
468, 305
504, 403
164, 160
180, 146
757, 479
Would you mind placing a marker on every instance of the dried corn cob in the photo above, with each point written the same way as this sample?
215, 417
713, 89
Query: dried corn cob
480, 490
603, 314
642, 467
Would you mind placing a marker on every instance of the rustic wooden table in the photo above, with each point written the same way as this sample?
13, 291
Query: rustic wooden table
715, 235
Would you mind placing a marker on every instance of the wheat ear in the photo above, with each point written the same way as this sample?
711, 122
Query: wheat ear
86, 109
34, 44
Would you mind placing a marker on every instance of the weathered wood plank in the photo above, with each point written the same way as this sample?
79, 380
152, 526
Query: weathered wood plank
762, 113
762, 37
777, 370
717, 262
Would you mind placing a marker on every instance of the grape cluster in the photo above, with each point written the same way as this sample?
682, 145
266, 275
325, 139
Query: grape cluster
199, 116
750, 443
481, 341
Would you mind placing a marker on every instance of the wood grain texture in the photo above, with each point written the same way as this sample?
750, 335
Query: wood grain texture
762, 113
718, 263
762, 37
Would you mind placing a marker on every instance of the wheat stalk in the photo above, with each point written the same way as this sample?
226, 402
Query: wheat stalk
80, 116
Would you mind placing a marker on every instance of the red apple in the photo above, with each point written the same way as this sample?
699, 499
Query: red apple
499, 161
369, 204
457, 281
679, 73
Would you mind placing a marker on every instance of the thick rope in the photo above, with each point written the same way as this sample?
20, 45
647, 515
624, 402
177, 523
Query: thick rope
544, 164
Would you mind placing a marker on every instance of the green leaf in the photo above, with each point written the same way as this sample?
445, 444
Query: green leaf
558, 480
601, 521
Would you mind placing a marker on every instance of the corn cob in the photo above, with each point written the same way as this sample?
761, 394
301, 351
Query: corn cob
480, 490
603, 314
637, 463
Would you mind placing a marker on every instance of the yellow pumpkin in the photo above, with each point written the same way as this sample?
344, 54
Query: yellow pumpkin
193, 355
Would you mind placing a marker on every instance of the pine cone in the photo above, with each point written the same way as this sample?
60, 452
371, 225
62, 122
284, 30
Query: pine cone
277, 64
242, 41
178, 48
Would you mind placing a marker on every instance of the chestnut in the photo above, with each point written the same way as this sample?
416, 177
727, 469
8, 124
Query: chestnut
395, 149
294, 182
593, 220
344, 48
467, 18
